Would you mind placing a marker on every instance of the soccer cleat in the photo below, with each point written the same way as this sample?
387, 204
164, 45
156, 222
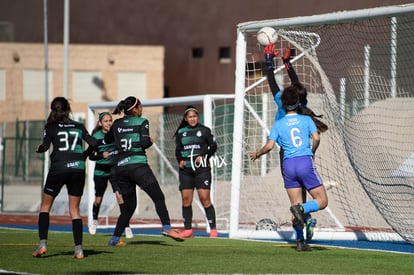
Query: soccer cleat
173, 234
121, 243
186, 233
213, 233
116, 241
78, 252
128, 233
302, 246
297, 212
40, 250
93, 227
310, 226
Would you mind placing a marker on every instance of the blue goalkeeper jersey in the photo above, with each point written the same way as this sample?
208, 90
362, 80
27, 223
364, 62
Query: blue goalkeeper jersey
292, 133
280, 113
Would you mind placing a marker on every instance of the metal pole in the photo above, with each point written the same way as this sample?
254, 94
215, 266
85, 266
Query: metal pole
45, 28
46, 58
393, 57
65, 48
342, 98
237, 160
367, 53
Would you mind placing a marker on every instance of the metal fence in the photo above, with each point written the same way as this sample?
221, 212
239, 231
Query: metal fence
21, 167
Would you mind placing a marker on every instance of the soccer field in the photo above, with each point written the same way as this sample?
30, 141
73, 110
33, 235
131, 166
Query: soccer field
154, 254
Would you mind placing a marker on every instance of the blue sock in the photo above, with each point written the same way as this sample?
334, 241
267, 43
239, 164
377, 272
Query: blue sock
166, 227
310, 206
115, 238
299, 233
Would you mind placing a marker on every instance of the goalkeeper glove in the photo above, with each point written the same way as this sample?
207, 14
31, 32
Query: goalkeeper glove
270, 53
286, 59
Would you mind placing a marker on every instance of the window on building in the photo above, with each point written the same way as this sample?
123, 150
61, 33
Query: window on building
132, 83
6, 31
224, 55
34, 87
84, 86
197, 52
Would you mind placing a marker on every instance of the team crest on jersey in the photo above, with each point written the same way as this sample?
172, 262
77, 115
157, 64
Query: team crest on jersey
198, 133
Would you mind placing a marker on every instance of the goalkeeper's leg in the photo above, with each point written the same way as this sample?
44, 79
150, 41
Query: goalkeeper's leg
310, 222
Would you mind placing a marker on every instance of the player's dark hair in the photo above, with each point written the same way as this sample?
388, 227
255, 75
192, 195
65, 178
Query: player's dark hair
322, 127
126, 105
184, 123
290, 98
302, 92
60, 110
100, 117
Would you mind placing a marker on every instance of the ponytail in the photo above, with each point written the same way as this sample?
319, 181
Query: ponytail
125, 106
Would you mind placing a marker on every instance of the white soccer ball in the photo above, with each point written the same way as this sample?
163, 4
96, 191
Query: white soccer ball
266, 35
266, 225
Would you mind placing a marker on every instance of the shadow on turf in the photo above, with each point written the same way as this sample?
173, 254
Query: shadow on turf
110, 272
313, 248
87, 252
148, 242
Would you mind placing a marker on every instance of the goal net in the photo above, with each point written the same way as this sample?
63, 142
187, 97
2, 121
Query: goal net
164, 116
358, 72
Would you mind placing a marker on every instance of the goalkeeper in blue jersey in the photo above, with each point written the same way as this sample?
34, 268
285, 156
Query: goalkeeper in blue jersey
131, 136
67, 168
299, 138
270, 53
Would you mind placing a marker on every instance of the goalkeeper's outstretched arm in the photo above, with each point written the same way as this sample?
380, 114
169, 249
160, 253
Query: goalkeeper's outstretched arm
270, 53
289, 68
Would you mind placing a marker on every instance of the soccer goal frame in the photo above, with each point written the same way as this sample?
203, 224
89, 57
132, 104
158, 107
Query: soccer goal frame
340, 117
164, 165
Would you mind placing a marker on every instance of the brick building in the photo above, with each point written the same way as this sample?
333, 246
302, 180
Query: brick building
187, 47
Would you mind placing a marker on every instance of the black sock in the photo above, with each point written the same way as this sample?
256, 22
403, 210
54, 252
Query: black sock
95, 211
43, 225
188, 216
77, 230
211, 216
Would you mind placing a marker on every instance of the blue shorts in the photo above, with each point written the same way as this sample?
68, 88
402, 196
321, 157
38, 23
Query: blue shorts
300, 172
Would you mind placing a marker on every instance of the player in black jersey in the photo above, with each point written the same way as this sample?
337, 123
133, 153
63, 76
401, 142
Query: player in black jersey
104, 156
67, 168
132, 137
195, 144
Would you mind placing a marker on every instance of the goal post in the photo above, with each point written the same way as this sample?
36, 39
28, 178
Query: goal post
164, 116
357, 69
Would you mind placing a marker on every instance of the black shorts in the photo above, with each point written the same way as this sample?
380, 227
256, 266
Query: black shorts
130, 176
101, 183
74, 181
199, 179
